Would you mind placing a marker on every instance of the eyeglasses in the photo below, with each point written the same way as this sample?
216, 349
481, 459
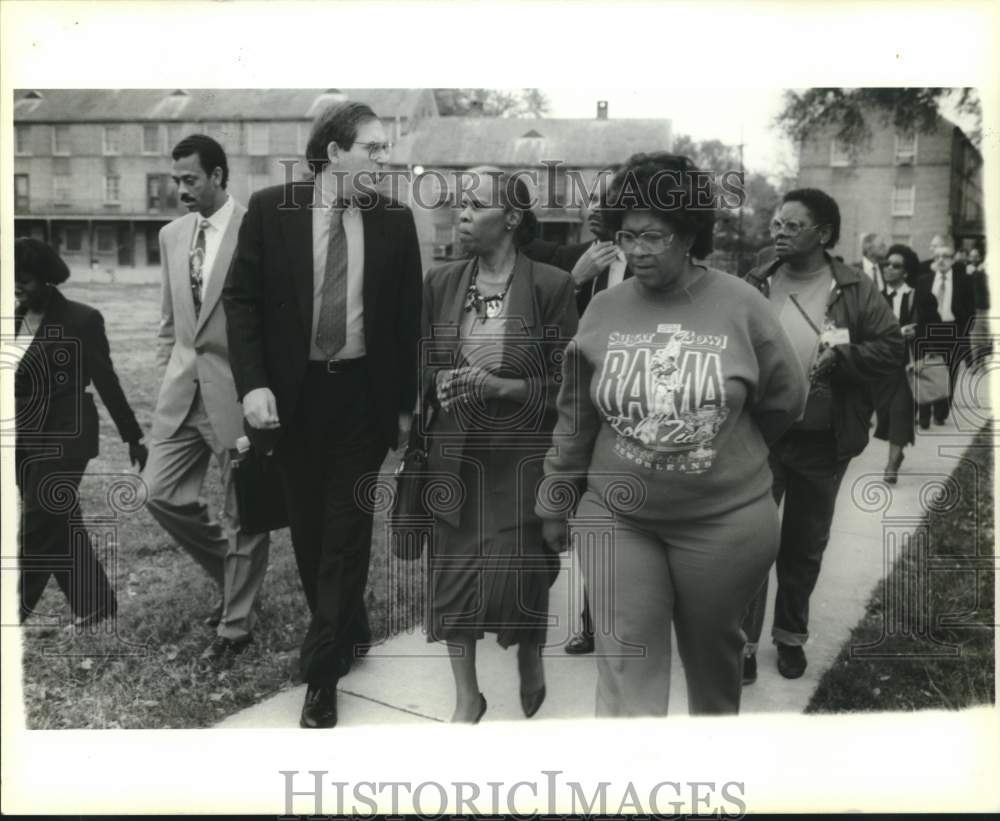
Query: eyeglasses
374, 149
894, 265
791, 228
648, 242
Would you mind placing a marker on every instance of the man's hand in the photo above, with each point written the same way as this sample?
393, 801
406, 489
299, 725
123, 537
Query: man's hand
138, 453
596, 259
554, 534
261, 409
405, 424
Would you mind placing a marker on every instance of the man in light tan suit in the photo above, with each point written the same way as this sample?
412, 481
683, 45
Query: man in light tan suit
198, 414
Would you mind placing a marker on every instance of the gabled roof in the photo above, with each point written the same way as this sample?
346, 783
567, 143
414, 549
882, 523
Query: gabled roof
521, 141
131, 105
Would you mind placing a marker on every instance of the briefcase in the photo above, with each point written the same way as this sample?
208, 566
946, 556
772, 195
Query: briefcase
259, 495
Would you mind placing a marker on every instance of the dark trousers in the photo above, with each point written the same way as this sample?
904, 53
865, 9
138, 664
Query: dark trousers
807, 474
328, 447
53, 540
586, 620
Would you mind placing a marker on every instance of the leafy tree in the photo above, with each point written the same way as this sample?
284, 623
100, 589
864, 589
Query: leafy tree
525, 102
852, 109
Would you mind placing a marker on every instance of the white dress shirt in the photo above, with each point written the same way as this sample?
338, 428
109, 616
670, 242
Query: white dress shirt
943, 284
214, 231
896, 296
874, 272
354, 347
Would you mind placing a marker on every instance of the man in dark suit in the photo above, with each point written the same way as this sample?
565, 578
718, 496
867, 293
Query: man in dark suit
955, 298
323, 307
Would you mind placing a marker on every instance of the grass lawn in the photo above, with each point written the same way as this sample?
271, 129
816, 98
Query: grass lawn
141, 672
905, 677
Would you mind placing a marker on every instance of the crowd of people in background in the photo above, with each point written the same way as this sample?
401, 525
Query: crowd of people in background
727, 407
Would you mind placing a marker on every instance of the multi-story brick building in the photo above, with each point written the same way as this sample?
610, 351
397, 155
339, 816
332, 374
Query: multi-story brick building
908, 187
92, 167
563, 155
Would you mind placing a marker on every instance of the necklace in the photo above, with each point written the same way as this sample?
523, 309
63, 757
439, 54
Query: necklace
486, 307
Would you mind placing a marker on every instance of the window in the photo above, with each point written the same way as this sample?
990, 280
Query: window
112, 139
74, 239
259, 139
839, 155
22, 195
151, 142
112, 189
903, 198
105, 240
61, 189
152, 244
60, 141
22, 140
906, 149
153, 201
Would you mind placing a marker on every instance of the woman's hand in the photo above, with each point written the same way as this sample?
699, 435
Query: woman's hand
138, 453
554, 535
464, 385
594, 261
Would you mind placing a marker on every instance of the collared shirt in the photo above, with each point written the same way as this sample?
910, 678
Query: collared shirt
873, 271
25, 334
214, 232
616, 271
943, 283
896, 297
354, 347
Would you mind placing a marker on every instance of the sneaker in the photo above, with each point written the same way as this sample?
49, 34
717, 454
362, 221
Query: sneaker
791, 660
749, 669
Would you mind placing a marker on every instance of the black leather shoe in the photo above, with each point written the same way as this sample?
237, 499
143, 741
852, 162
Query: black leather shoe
213, 618
319, 711
223, 649
580, 644
791, 660
531, 702
749, 669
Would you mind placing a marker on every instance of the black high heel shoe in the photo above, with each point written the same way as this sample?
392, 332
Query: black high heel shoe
532, 702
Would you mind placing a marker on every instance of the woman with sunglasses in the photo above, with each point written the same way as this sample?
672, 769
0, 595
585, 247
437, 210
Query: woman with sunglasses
495, 326
677, 381
913, 310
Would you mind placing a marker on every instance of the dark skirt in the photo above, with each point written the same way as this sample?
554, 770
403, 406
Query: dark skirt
894, 418
489, 577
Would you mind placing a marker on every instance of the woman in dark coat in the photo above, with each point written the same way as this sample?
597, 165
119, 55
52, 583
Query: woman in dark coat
914, 309
495, 326
64, 349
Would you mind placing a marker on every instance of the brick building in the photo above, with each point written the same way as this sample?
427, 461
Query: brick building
907, 187
92, 167
564, 155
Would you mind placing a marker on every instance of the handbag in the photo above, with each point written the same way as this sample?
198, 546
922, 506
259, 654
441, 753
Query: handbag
929, 378
408, 517
259, 496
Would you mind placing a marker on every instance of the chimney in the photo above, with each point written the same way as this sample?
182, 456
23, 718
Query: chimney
602, 109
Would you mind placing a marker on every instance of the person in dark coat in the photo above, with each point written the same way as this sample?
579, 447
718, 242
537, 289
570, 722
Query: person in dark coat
848, 341
894, 413
495, 325
65, 349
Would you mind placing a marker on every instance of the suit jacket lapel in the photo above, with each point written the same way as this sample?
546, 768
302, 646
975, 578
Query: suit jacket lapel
296, 226
53, 317
373, 228
180, 268
220, 267
522, 312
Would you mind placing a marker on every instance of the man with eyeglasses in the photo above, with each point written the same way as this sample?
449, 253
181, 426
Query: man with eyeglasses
955, 295
847, 340
323, 302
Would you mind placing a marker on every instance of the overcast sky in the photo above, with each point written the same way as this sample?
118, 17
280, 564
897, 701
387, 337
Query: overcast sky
703, 114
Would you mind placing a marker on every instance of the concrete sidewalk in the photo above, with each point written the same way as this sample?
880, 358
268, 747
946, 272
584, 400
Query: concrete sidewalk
407, 680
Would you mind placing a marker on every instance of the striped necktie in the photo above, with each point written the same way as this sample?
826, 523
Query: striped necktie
331, 330
197, 266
